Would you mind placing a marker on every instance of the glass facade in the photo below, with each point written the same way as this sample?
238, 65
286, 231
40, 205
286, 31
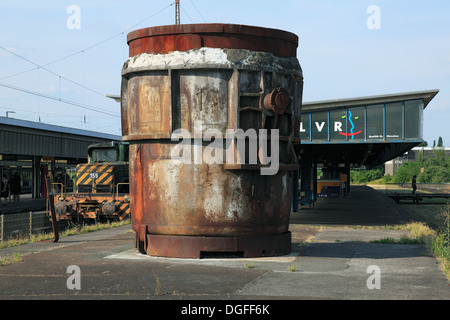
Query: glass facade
413, 116
398, 121
357, 122
375, 126
394, 121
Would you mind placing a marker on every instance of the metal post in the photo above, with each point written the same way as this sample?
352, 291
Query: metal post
36, 177
31, 223
2, 220
177, 12
294, 201
50, 199
53, 215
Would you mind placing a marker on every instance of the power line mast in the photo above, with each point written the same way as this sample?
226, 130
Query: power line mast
177, 11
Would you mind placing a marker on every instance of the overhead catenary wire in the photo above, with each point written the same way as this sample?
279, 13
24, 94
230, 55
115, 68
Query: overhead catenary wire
50, 71
27, 111
199, 13
43, 67
60, 77
81, 105
92, 46
182, 8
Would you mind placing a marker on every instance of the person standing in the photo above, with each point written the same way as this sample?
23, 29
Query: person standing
4, 188
16, 187
413, 184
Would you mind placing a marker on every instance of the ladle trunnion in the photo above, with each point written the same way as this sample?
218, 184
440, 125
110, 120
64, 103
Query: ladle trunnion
212, 114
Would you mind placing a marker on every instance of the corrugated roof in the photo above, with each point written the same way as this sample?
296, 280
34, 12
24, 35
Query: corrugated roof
55, 128
426, 95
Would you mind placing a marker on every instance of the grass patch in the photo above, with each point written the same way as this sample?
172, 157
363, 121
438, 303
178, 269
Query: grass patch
72, 230
428, 212
402, 240
421, 230
433, 229
421, 233
437, 238
93, 227
19, 240
440, 247
437, 242
292, 268
15, 258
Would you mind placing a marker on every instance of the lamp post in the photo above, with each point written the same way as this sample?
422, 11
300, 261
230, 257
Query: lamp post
8, 112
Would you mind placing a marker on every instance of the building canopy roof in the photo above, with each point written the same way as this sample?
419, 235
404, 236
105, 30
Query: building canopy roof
364, 131
28, 138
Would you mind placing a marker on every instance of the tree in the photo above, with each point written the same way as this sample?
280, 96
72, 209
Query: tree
406, 172
435, 174
423, 144
440, 143
362, 176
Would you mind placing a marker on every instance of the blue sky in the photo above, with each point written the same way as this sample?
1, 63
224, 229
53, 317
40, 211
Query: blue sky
340, 56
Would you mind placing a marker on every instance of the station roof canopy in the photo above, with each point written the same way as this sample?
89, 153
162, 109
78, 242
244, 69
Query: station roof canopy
28, 138
364, 131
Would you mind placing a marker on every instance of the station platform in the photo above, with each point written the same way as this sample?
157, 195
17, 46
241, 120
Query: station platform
26, 204
362, 207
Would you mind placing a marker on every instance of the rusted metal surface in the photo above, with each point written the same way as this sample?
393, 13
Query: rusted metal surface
165, 39
234, 246
50, 199
53, 218
205, 205
85, 206
206, 199
278, 100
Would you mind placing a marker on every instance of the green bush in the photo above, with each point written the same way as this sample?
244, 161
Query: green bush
406, 172
387, 178
435, 169
434, 174
363, 176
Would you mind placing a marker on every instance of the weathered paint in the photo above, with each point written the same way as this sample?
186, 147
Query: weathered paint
206, 199
165, 39
216, 75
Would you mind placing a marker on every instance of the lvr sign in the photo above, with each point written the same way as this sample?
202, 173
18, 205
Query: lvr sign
396, 121
344, 127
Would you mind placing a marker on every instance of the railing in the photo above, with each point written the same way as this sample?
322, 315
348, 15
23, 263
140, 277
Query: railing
22, 225
117, 187
422, 188
58, 188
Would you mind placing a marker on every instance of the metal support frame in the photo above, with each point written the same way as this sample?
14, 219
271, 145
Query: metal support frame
196, 247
